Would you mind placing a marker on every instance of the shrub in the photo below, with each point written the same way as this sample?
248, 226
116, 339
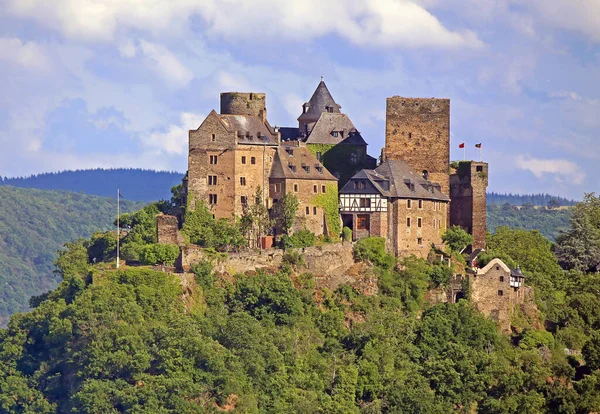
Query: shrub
159, 253
440, 275
457, 239
302, 238
293, 258
372, 249
347, 234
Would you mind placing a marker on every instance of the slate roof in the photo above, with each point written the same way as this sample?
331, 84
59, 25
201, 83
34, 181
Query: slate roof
289, 133
321, 132
318, 104
250, 129
516, 272
307, 167
397, 179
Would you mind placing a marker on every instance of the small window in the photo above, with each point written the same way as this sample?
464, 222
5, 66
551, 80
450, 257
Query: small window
315, 211
307, 210
306, 168
243, 181
420, 241
408, 222
212, 180
243, 159
419, 222
213, 159
244, 200
362, 222
434, 223
365, 203
335, 134
425, 174
253, 160
420, 204
323, 189
500, 293
212, 199
408, 203
295, 188
353, 158
290, 152
213, 137
479, 168
497, 267
502, 278
410, 135
362, 185
439, 223
315, 189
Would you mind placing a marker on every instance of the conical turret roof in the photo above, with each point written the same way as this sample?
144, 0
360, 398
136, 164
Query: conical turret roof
321, 101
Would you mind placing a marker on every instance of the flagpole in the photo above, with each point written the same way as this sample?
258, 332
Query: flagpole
464, 152
118, 224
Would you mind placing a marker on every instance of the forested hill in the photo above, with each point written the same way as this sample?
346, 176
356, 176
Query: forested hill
549, 222
34, 224
135, 184
525, 199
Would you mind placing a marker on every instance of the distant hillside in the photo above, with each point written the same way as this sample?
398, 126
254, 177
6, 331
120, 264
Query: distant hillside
521, 199
548, 222
34, 224
135, 184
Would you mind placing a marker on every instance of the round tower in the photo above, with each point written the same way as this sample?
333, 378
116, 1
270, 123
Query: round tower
244, 103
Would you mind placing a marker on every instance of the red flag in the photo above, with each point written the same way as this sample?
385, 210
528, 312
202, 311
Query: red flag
461, 145
478, 145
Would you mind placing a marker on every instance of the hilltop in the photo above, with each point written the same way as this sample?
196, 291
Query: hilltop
135, 184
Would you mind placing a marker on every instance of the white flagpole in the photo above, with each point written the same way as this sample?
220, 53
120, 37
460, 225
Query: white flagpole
465, 151
118, 224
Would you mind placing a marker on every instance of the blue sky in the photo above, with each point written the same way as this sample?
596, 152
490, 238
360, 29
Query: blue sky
107, 83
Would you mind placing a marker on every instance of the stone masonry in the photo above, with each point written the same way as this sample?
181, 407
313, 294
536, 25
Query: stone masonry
417, 131
468, 186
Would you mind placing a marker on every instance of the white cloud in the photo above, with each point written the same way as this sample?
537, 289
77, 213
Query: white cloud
166, 64
175, 139
402, 23
576, 15
26, 54
561, 170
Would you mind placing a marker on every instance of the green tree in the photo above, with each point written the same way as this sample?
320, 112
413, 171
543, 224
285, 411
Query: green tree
457, 239
164, 254
579, 247
285, 212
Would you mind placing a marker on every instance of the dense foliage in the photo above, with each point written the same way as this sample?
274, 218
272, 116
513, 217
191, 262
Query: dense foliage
549, 222
272, 342
135, 184
34, 224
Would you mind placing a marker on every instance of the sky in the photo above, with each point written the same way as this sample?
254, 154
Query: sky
118, 83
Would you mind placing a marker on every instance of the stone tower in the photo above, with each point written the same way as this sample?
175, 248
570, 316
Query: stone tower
244, 103
468, 185
417, 131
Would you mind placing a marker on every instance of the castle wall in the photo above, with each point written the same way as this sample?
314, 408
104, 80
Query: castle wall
415, 240
493, 296
418, 132
248, 176
309, 216
167, 229
244, 103
468, 186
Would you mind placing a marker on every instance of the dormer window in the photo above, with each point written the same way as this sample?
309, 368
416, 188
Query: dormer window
319, 169
292, 167
335, 134
290, 152
425, 174
306, 168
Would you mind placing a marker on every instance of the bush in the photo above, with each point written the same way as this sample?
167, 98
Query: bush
372, 249
159, 254
293, 258
302, 238
347, 234
440, 275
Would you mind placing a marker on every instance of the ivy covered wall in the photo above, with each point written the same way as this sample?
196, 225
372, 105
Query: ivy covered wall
339, 160
328, 201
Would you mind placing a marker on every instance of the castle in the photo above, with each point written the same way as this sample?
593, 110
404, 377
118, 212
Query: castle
409, 198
